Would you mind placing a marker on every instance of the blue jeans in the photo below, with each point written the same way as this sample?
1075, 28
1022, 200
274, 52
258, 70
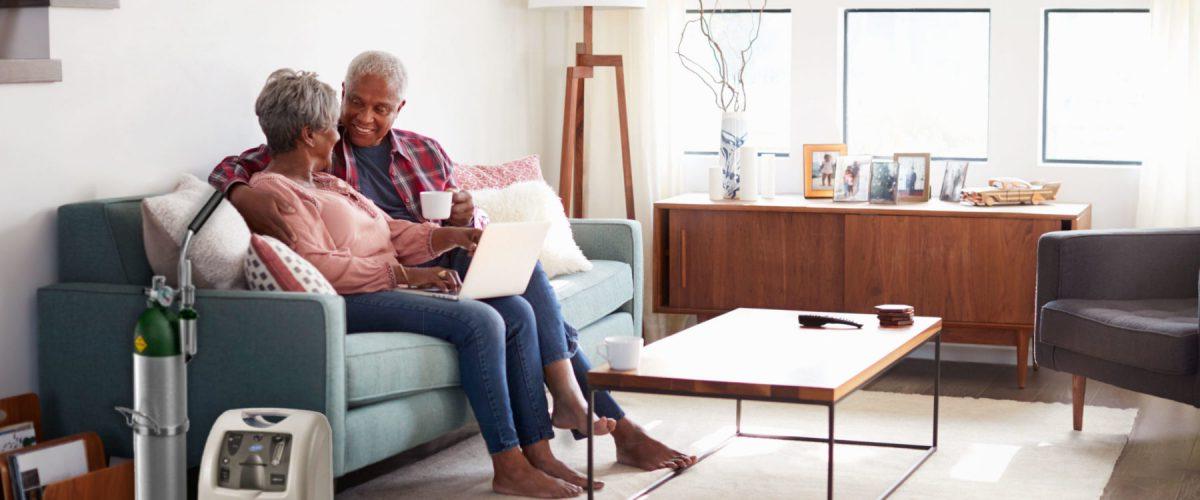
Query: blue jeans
557, 339
498, 356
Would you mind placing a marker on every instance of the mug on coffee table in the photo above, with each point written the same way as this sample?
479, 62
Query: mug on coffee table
435, 205
623, 353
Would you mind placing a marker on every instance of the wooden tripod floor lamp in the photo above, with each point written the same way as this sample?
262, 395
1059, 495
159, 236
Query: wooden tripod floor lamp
571, 170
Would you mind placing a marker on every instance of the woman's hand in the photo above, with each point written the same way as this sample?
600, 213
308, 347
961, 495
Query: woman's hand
446, 238
438, 278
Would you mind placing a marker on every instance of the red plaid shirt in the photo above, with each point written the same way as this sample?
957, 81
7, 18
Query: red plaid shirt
418, 164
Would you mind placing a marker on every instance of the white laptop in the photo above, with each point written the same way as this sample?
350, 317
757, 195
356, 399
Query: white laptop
502, 264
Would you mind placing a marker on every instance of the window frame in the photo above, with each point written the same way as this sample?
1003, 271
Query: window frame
1046, 84
785, 10
846, 68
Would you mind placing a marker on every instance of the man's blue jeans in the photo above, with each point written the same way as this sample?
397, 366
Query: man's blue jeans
557, 339
498, 355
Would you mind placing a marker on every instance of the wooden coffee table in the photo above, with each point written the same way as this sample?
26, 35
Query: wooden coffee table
764, 355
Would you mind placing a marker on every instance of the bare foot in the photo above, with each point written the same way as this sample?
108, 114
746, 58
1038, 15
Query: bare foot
635, 448
539, 456
572, 414
514, 475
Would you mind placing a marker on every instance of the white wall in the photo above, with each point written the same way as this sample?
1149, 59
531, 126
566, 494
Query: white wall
1014, 101
154, 89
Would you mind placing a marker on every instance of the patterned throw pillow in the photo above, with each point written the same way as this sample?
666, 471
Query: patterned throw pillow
473, 177
273, 267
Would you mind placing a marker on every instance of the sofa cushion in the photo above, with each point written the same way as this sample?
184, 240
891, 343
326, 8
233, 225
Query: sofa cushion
1159, 335
382, 366
271, 266
590, 295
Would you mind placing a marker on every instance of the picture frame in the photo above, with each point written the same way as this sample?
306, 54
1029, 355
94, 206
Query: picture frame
816, 157
954, 180
852, 178
913, 176
884, 179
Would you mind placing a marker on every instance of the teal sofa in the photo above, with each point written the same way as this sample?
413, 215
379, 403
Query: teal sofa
383, 392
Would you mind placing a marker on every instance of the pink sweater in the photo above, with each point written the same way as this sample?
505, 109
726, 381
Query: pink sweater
344, 235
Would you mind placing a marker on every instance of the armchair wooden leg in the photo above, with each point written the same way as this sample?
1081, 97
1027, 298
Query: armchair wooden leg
1077, 389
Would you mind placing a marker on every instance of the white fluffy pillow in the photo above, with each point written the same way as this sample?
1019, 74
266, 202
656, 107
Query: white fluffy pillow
535, 201
218, 251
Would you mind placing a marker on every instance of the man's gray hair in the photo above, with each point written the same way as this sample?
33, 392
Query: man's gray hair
383, 65
290, 101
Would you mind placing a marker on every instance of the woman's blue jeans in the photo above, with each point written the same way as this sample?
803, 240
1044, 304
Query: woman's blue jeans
499, 359
557, 339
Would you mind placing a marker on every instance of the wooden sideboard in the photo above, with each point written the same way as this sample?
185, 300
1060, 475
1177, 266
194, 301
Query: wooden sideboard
973, 266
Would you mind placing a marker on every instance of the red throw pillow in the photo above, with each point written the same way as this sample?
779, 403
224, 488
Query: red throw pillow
475, 177
273, 267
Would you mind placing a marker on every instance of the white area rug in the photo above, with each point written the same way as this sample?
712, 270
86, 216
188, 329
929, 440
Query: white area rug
987, 449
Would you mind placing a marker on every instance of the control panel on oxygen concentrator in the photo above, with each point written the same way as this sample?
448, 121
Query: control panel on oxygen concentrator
251, 460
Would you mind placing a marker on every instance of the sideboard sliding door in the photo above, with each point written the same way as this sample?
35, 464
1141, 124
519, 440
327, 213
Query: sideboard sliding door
725, 260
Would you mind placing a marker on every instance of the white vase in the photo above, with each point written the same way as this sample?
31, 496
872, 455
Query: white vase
733, 137
748, 191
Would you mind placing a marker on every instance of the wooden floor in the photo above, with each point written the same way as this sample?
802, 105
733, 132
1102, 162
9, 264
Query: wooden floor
1161, 460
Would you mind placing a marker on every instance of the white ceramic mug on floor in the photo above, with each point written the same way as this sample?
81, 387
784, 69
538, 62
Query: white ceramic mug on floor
623, 353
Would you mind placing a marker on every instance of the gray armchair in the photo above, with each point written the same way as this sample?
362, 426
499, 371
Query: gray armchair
1119, 306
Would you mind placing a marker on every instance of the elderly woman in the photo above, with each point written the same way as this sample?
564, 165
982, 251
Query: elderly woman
366, 254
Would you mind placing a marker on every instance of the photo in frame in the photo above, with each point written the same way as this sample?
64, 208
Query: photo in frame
913, 176
884, 178
852, 178
820, 167
954, 180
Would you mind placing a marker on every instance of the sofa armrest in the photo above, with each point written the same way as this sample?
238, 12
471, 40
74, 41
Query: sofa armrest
1118, 264
619, 240
255, 349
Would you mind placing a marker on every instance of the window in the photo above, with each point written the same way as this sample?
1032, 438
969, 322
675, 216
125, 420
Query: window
916, 80
768, 82
1093, 93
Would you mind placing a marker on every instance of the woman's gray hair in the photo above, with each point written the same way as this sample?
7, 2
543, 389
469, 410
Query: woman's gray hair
290, 101
383, 65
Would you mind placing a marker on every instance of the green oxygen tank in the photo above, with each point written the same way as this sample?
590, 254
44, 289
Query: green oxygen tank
159, 414
157, 332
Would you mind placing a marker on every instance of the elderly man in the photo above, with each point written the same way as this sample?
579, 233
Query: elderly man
391, 167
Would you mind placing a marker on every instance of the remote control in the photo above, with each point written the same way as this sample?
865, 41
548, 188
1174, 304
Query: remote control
819, 321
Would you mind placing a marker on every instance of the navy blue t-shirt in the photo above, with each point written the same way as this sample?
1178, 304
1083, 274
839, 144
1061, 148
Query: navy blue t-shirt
375, 180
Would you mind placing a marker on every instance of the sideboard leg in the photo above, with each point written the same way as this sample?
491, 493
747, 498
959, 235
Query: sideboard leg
1022, 357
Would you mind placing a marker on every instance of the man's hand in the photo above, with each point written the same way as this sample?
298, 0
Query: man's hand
463, 209
263, 212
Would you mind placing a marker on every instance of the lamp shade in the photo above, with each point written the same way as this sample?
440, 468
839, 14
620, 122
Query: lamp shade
622, 4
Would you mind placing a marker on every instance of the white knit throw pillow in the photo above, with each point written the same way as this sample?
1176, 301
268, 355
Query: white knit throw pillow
218, 251
530, 201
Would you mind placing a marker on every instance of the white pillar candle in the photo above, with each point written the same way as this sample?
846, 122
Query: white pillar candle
749, 188
716, 192
767, 176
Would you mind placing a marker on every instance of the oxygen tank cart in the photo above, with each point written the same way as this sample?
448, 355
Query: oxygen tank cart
164, 341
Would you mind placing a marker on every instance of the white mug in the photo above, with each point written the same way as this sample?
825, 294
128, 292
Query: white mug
435, 205
623, 353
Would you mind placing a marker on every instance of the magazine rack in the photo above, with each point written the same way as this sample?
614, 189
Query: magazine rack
23, 408
100, 483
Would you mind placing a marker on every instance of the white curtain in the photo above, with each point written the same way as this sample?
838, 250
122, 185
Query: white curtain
1169, 193
646, 40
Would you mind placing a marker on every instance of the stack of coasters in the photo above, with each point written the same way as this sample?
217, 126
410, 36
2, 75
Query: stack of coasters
894, 314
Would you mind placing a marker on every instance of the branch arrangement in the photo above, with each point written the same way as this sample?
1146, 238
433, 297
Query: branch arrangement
727, 83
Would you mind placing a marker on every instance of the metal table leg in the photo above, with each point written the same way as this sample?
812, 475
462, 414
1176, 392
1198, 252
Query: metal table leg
829, 468
591, 429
